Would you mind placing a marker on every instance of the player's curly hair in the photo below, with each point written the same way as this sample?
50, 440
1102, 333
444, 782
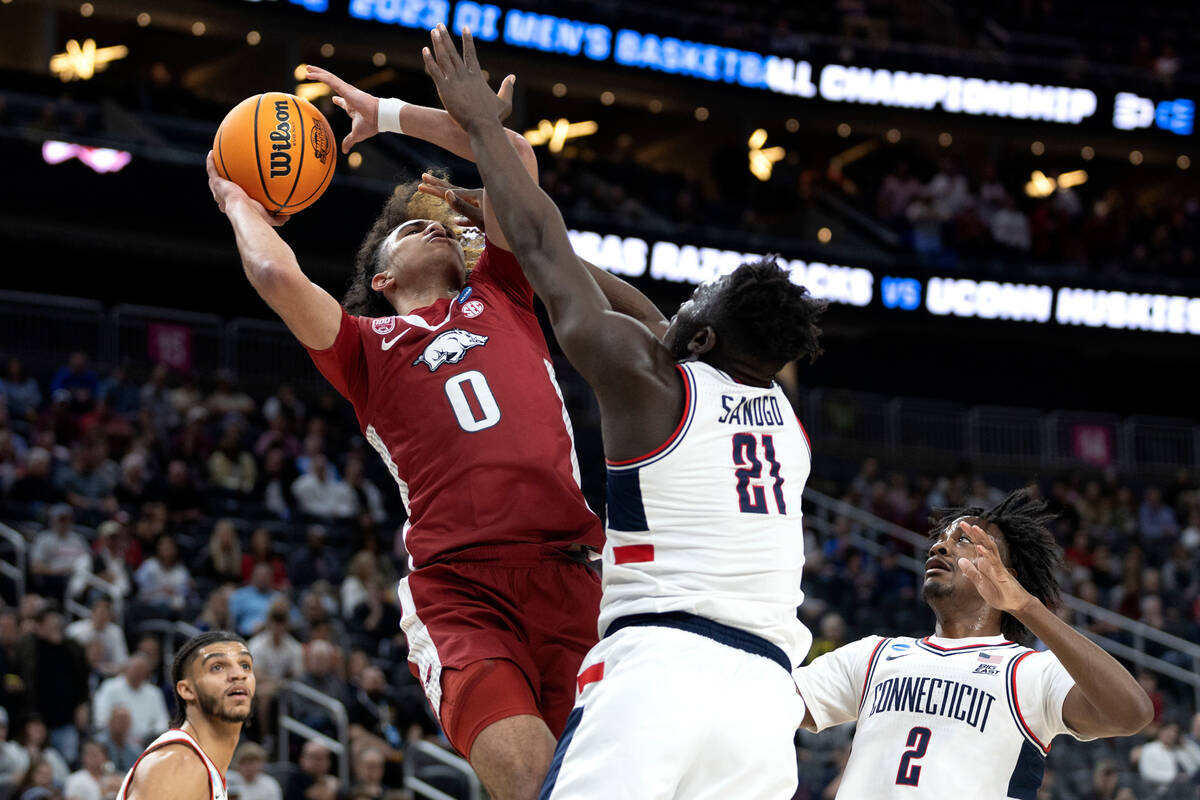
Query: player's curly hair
183, 662
1032, 551
405, 203
770, 317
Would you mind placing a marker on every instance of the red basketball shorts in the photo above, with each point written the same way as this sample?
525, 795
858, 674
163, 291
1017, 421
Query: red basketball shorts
529, 606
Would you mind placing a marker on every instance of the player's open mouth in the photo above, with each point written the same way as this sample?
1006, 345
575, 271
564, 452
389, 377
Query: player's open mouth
237, 693
936, 565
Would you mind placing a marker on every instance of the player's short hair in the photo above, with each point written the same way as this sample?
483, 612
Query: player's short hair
764, 314
1032, 550
405, 203
183, 662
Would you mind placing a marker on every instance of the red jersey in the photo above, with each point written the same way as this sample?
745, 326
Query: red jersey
460, 400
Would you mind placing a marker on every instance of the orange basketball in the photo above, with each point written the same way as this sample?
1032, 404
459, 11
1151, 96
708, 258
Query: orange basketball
278, 148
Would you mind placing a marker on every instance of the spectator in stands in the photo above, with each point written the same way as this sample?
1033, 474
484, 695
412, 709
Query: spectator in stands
163, 582
832, 635
320, 673
222, 561
135, 486
899, 189
226, 402
133, 691
313, 781
1105, 781
37, 748
56, 551
53, 670
79, 379
35, 488
121, 394
101, 628
375, 716
182, 497
58, 420
262, 551
92, 781
107, 561
12, 687
368, 500
21, 391
192, 443
14, 761
1170, 760
314, 562
319, 620
39, 782
278, 435
949, 191
248, 605
216, 615
275, 479
88, 481
377, 618
117, 738
248, 762
278, 657
321, 494
1156, 520
1010, 228
155, 398
231, 467
367, 773
363, 572
314, 445
284, 401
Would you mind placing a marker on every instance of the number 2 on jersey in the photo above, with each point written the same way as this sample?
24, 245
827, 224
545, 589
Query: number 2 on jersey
485, 401
909, 773
752, 497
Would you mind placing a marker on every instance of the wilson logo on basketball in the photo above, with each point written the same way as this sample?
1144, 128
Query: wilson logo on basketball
281, 141
320, 142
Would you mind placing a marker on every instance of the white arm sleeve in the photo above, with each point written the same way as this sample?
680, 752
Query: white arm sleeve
1042, 687
389, 115
832, 685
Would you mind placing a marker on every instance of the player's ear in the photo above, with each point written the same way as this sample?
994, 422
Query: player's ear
185, 690
381, 280
702, 341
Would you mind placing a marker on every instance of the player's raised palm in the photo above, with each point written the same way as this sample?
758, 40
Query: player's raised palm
362, 107
996, 585
460, 84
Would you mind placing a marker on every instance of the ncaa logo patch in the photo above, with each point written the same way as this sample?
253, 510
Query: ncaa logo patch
473, 308
384, 325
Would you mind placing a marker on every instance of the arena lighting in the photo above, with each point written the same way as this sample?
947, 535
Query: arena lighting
762, 162
1039, 185
555, 135
82, 61
312, 90
1132, 112
1076, 177
100, 159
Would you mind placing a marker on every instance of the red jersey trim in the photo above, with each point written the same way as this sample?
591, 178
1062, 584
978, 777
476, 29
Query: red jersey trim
871, 670
687, 409
195, 749
593, 674
1017, 703
633, 553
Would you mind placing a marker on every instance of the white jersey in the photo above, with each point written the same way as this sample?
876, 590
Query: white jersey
709, 523
940, 717
216, 781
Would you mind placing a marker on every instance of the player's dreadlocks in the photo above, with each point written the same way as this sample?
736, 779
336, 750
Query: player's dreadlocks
183, 662
404, 204
768, 315
1032, 551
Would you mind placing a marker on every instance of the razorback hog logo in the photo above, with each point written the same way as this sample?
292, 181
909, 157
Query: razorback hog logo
449, 348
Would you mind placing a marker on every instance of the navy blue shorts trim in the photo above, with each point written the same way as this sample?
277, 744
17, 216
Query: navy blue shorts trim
725, 634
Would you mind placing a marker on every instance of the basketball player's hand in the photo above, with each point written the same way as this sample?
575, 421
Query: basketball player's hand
363, 108
467, 203
460, 84
996, 585
226, 193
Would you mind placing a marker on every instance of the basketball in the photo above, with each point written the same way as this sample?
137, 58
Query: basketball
279, 148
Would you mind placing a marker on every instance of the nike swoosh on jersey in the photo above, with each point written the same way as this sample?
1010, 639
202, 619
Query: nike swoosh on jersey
892, 658
387, 344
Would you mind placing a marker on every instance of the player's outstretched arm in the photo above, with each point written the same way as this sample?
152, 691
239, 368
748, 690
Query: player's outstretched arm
1106, 700
623, 297
271, 267
173, 771
369, 115
596, 340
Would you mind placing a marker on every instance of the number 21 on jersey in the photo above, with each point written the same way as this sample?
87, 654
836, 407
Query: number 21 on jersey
751, 494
